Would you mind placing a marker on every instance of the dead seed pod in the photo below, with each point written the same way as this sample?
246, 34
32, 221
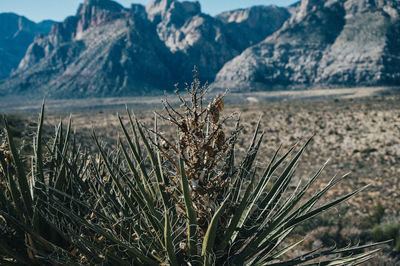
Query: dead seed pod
198, 133
194, 122
165, 145
194, 176
219, 103
3, 146
195, 161
100, 240
183, 125
184, 246
183, 142
215, 108
214, 113
3, 220
219, 139
191, 174
6, 152
209, 151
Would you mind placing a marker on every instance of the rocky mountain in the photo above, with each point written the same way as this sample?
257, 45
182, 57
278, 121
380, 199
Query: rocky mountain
16, 34
326, 43
195, 38
106, 49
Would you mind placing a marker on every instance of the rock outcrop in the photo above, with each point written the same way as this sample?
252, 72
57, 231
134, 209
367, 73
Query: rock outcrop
326, 43
208, 42
254, 24
192, 37
16, 34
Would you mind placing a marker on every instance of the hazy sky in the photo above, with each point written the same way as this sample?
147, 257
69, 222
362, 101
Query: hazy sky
38, 10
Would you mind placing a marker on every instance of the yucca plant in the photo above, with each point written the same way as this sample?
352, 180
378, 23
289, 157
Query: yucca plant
185, 199
27, 231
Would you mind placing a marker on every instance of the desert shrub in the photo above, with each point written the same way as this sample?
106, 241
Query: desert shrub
388, 231
375, 217
160, 200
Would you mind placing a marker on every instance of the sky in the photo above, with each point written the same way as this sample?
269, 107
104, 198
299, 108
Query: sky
38, 10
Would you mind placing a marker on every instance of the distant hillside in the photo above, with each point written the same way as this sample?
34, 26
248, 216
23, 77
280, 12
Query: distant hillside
16, 34
106, 49
263, 20
325, 44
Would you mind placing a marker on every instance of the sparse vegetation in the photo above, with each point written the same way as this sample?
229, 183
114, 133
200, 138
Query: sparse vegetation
388, 231
157, 199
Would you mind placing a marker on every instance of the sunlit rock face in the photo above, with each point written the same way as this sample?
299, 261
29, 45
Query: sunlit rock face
193, 38
93, 13
324, 44
209, 42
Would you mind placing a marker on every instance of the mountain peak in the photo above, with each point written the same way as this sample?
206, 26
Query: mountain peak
156, 9
102, 4
95, 12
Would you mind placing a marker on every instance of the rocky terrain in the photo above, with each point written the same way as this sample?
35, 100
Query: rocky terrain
16, 34
325, 43
106, 49
359, 133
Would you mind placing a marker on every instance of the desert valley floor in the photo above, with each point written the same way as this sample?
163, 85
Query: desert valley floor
360, 136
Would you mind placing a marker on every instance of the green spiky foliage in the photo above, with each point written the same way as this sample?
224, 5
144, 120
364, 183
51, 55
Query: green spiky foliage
187, 199
28, 231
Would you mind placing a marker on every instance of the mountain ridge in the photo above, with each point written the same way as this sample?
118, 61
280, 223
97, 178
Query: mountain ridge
331, 43
106, 49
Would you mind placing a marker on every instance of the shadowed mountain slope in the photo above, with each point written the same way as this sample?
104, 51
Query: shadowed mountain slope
16, 34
